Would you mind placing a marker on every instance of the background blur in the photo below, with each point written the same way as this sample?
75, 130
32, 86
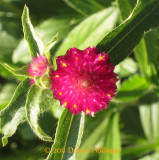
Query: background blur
80, 23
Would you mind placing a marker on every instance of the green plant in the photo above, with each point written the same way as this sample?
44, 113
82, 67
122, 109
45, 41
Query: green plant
130, 124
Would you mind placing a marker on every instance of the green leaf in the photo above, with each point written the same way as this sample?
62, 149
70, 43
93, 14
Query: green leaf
106, 3
86, 7
112, 139
135, 151
46, 32
151, 40
8, 75
61, 136
132, 88
14, 113
94, 134
68, 135
4, 141
33, 110
75, 136
49, 46
34, 42
142, 56
90, 31
130, 135
154, 156
47, 102
126, 67
146, 51
6, 93
126, 7
149, 113
121, 41
15, 70
7, 44
57, 109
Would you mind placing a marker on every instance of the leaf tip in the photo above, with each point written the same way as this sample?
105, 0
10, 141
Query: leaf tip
25, 11
4, 142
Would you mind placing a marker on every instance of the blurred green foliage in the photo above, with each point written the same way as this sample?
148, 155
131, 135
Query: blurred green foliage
131, 121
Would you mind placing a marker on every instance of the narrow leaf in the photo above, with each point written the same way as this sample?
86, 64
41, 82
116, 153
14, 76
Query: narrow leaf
33, 111
49, 46
34, 42
94, 135
16, 71
92, 30
68, 136
8, 75
149, 113
75, 136
46, 32
142, 56
145, 51
151, 40
14, 113
121, 41
112, 139
61, 136
135, 151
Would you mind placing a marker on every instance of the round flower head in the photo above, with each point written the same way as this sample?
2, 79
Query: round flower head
38, 67
84, 80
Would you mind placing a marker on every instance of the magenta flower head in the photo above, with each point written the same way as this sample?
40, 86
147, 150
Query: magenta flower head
84, 80
38, 68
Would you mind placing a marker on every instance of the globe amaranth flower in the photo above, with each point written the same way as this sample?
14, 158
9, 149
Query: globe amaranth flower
84, 80
38, 67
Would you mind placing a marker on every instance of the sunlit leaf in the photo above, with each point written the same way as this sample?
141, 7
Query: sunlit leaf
6, 93
121, 41
46, 33
132, 88
91, 30
149, 113
112, 139
34, 42
49, 46
126, 68
33, 110
15, 70
7, 44
93, 134
69, 133
14, 113
146, 50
